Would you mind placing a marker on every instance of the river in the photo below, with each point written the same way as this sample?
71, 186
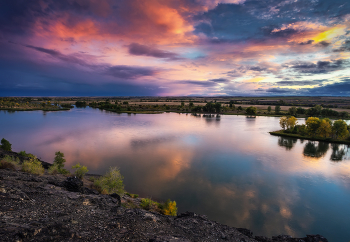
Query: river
228, 167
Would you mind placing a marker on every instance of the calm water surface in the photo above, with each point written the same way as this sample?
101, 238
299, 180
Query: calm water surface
227, 167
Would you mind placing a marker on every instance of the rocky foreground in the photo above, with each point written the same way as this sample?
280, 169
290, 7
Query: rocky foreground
59, 208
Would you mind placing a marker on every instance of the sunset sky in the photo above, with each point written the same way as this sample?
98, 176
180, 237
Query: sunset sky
174, 47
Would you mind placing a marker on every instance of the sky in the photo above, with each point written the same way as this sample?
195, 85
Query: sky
175, 48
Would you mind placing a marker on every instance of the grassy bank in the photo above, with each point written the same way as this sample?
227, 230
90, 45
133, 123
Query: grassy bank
328, 140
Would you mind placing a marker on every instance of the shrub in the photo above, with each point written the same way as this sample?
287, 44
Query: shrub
9, 162
33, 166
80, 171
6, 145
23, 153
147, 203
132, 195
170, 208
54, 169
58, 164
111, 182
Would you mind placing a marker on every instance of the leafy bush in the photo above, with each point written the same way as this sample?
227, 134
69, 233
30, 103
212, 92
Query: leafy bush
33, 166
80, 171
6, 145
170, 208
9, 162
111, 182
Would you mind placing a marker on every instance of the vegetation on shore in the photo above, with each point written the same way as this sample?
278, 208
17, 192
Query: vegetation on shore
257, 106
315, 129
111, 182
29, 104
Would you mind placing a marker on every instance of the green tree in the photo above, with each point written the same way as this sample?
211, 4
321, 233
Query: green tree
251, 110
292, 111
291, 122
269, 109
232, 103
80, 171
283, 122
217, 107
340, 129
182, 104
59, 159
312, 124
58, 164
191, 104
6, 145
325, 128
277, 109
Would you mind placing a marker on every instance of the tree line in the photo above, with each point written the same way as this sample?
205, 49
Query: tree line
316, 127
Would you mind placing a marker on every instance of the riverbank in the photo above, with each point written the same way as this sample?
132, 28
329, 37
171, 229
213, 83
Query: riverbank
59, 208
34, 109
298, 136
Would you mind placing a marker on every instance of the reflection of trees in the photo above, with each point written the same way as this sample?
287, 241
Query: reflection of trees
211, 118
318, 151
337, 152
287, 142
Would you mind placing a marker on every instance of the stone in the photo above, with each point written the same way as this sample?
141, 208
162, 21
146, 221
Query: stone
73, 184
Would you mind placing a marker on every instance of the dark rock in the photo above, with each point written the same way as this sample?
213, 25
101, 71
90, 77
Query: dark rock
262, 239
168, 238
73, 184
315, 238
246, 232
281, 237
43, 211
117, 197
89, 191
186, 214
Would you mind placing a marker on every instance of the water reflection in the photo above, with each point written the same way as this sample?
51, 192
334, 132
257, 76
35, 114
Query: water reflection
287, 142
317, 151
338, 152
232, 172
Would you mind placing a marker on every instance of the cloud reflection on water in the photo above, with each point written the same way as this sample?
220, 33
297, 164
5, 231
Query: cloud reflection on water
234, 172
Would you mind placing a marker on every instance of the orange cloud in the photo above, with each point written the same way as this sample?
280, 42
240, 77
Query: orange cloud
255, 79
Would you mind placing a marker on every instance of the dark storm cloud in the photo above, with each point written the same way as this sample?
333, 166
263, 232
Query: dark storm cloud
17, 17
345, 47
58, 55
336, 89
321, 67
257, 68
323, 44
219, 80
301, 83
199, 83
129, 72
279, 90
208, 83
137, 49
309, 42
119, 71
260, 19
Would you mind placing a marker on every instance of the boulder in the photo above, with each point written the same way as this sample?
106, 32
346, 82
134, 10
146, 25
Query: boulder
73, 184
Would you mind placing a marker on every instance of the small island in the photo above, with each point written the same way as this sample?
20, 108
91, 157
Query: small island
315, 129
